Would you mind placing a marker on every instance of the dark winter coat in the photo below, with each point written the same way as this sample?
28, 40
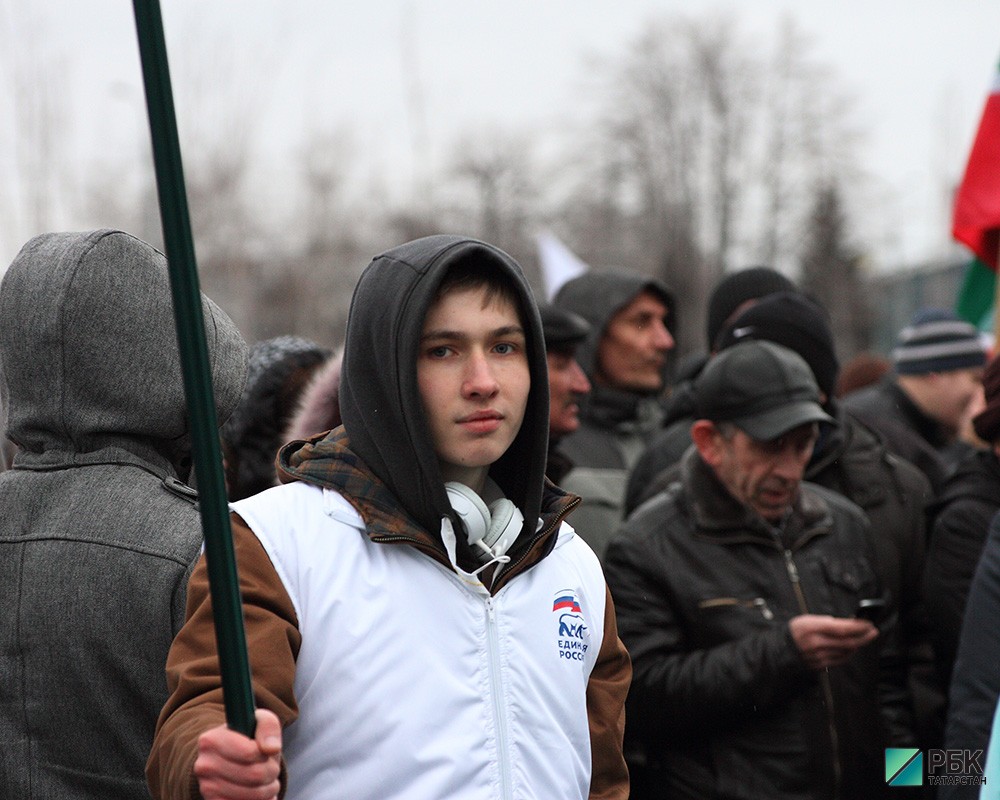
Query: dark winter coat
851, 461
975, 683
893, 493
97, 533
906, 430
722, 704
961, 518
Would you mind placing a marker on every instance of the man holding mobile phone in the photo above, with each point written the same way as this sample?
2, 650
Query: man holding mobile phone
738, 592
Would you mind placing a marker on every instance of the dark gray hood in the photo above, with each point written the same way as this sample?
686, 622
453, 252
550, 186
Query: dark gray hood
88, 351
379, 399
597, 295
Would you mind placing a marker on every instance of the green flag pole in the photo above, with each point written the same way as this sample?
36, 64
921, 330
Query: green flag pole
230, 636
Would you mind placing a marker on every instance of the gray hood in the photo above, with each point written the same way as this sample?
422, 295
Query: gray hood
597, 295
89, 362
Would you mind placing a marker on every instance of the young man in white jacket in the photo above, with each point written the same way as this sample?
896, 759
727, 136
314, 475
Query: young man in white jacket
421, 622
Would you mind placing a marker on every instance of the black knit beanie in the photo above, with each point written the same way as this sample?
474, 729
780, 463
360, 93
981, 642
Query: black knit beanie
793, 320
735, 289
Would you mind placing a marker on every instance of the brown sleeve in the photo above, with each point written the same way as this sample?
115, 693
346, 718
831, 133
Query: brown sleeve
195, 701
606, 692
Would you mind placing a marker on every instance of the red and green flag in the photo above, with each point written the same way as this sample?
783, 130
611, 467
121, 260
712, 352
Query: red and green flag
976, 222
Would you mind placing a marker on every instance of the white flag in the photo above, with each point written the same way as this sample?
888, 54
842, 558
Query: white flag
559, 263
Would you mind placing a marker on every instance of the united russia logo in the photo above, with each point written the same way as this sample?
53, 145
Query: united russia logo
572, 638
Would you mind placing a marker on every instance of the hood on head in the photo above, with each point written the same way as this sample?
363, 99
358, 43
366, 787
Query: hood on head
89, 350
379, 398
598, 295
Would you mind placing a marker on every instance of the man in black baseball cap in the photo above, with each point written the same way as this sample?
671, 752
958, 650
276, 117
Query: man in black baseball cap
736, 591
764, 391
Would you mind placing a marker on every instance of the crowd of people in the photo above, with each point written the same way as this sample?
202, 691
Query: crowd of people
491, 547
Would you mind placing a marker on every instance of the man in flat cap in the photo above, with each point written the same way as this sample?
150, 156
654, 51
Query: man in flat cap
568, 385
738, 590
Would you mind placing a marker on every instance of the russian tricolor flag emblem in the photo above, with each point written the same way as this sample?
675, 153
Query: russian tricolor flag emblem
566, 601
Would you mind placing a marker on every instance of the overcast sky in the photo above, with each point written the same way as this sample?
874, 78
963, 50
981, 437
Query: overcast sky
919, 70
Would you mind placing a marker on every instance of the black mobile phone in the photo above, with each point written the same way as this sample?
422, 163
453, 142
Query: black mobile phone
871, 609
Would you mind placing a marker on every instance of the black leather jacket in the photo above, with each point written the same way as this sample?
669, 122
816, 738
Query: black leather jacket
722, 705
962, 516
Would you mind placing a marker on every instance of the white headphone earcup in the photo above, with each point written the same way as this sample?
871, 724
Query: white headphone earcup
495, 527
505, 524
471, 510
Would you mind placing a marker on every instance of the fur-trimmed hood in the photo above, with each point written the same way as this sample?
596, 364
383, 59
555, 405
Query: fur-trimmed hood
279, 371
318, 408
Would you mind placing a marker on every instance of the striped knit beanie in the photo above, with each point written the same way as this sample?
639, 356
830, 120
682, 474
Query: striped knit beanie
937, 341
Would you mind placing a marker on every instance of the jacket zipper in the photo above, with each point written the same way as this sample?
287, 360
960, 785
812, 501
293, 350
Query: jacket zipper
496, 693
824, 676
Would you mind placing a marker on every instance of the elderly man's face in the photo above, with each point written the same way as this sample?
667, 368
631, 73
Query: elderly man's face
763, 476
567, 384
633, 350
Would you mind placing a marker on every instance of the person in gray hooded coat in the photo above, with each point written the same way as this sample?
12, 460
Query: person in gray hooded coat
99, 532
625, 358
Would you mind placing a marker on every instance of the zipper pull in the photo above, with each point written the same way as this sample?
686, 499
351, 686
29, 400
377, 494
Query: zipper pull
793, 571
765, 611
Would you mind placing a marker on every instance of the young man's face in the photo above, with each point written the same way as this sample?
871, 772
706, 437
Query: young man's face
634, 347
763, 476
567, 384
473, 376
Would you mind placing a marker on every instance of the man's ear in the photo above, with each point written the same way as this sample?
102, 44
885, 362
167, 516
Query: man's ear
706, 438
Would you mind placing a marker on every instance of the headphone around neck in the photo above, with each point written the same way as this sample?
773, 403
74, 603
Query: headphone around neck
491, 530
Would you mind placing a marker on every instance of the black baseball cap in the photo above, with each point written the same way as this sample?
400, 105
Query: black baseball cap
762, 388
